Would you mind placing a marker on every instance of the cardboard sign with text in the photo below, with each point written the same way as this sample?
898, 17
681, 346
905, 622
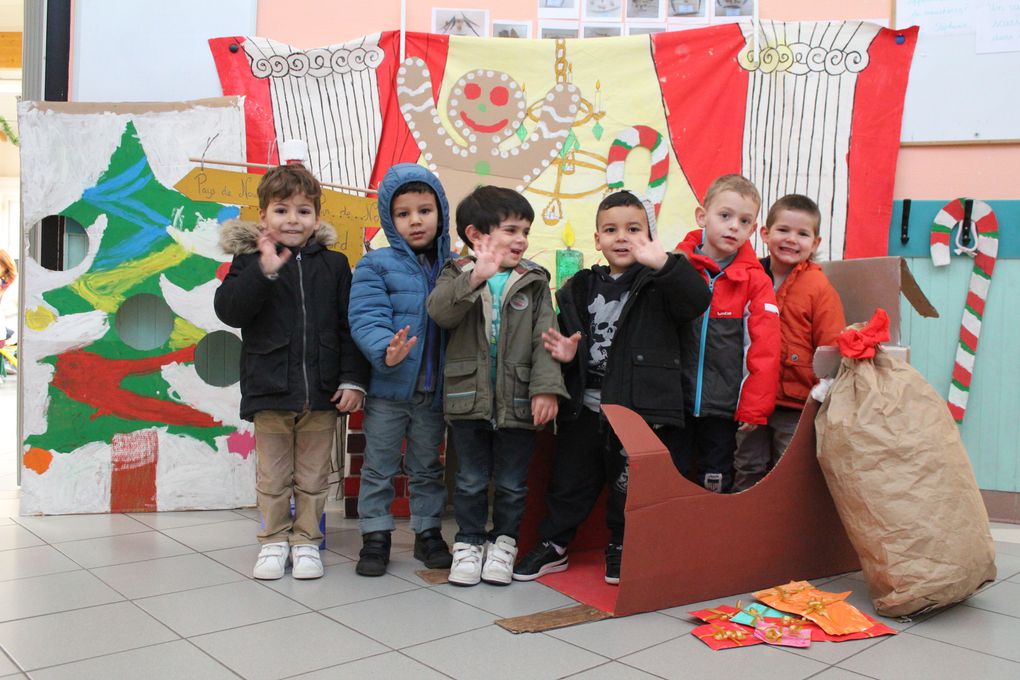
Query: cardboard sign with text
348, 214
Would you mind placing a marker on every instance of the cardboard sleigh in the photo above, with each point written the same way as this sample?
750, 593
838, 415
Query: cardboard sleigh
685, 544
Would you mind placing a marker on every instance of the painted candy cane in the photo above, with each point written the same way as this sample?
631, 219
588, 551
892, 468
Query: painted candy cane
984, 252
647, 138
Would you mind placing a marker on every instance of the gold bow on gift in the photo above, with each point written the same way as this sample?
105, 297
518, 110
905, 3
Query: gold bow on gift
784, 592
721, 633
755, 614
718, 614
726, 634
773, 635
793, 623
817, 606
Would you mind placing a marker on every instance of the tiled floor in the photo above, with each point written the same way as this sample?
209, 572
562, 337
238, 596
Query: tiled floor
170, 596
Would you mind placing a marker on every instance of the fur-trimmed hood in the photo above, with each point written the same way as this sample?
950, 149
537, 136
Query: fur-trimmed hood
240, 237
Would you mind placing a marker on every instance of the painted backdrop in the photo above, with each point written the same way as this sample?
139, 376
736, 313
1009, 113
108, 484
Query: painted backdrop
126, 405
816, 109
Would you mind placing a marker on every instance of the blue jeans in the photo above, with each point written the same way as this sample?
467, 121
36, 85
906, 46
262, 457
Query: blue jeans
501, 455
387, 423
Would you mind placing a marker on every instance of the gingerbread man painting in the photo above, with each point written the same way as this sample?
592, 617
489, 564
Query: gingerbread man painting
486, 107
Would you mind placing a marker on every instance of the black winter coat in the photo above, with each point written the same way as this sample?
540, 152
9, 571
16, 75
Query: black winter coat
643, 370
296, 340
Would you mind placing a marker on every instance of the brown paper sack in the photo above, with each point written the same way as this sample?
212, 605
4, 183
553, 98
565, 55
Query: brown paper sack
903, 485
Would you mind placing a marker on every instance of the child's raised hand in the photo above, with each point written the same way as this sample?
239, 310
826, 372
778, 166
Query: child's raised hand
544, 408
269, 260
562, 348
348, 401
487, 260
649, 252
400, 345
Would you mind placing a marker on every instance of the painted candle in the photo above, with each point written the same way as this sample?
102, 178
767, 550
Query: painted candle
568, 260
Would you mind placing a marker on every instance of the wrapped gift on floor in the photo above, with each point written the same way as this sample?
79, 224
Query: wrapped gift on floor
828, 610
725, 635
722, 612
784, 636
752, 613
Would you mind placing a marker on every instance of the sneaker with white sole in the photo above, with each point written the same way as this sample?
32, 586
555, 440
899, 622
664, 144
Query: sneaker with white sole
272, 561
499, 561
307, 563
614, 560
543, 559
466, 569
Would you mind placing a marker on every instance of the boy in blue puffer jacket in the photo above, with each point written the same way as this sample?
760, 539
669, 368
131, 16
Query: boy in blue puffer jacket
392, 328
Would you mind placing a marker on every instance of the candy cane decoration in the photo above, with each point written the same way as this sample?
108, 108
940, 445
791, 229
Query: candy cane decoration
984, 253
646, 138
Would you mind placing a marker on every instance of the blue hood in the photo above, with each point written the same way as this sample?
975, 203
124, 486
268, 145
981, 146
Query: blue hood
397, 176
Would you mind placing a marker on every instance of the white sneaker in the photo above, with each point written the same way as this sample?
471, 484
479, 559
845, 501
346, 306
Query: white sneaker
307, 563
499, 561
272, 561
466, 569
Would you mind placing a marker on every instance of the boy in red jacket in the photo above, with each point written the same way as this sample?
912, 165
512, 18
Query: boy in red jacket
811, 315
731, 362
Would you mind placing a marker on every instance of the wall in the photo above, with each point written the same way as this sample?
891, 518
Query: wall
931, 172
936, 172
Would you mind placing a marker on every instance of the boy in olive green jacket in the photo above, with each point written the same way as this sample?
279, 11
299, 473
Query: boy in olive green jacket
500, 382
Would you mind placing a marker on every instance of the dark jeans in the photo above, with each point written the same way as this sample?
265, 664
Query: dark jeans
708, 443
588, 455
484, 453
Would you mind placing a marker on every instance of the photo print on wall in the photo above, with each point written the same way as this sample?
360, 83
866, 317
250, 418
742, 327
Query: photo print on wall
687, 9
646, 10
602, 30
602, 10
505, 28
558, 30
467, 22
558, 9
733, 10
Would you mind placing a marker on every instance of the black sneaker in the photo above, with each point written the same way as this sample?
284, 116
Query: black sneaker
375, 553
543, 559
614, 558
430, 548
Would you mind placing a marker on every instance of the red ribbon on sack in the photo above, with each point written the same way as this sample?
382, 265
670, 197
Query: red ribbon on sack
861, 343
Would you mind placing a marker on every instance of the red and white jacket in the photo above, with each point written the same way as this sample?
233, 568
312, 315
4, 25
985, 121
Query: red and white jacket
731, 362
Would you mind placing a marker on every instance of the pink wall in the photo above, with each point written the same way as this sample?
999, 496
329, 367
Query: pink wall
987, 171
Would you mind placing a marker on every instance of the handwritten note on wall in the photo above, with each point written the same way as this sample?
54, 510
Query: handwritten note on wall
936, 17
961, 85
998, 26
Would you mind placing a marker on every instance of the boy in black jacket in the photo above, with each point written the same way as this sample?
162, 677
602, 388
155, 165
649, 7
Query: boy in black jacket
299, 366
620, 341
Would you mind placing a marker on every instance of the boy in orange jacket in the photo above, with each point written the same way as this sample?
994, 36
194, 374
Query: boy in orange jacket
810, 315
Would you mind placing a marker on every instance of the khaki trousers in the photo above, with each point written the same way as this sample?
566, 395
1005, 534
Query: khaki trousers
293, 452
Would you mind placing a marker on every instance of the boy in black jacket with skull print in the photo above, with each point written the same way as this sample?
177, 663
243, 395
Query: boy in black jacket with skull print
620, 343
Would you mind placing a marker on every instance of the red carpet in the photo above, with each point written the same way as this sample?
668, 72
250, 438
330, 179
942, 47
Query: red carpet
585, 580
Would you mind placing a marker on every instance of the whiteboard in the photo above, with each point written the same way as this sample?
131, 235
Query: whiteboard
143, 50
956, 93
